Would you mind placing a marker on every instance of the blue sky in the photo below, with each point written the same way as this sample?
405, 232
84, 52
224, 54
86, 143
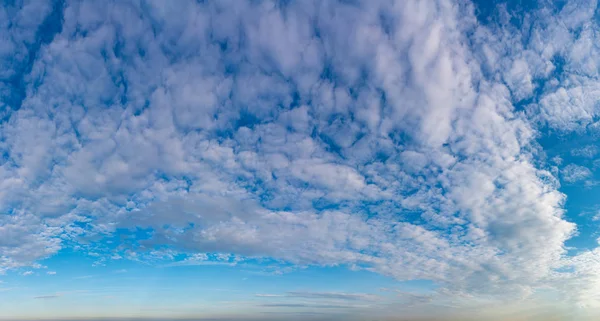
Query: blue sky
310, 160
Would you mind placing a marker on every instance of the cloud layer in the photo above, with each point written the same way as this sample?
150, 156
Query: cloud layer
393, 136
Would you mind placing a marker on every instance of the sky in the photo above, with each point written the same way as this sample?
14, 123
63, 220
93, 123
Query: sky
299, 160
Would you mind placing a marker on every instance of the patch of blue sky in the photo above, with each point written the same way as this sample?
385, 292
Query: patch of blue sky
560, 150
124, 285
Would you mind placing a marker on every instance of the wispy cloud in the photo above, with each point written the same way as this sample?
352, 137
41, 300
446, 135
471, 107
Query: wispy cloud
588, 151
303, 305
324, 295
334, 295
45, 297
573, 173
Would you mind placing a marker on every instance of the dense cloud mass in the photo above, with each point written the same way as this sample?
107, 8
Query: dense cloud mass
398, 137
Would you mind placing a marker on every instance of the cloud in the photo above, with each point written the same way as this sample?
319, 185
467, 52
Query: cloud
413, 299
51, 273
301, 305
385, 136
46, 297
588, 151
27, 273
573, 173
334, 295
341, 296
205, 259
260, 295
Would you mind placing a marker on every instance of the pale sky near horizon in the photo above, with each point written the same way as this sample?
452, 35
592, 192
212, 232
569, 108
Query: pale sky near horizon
309, 160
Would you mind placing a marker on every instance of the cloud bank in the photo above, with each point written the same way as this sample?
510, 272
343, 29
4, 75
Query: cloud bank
398, 137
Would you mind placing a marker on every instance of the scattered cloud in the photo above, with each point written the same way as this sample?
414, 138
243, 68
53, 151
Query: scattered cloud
51, 273
386, 136
557, 160
574, 173
26, 273
588, 151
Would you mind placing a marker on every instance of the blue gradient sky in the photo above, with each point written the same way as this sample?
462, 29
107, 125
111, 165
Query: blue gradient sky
132, 289
294, 160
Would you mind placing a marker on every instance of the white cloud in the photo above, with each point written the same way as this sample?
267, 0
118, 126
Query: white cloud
588, 151
51, 273
557, 160
313, 135
573, 173
27, 273
260, 295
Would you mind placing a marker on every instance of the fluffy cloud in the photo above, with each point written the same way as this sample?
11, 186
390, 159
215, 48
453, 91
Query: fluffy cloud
379, 135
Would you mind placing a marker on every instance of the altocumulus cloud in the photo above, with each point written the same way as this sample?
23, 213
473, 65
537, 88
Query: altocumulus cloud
382, 135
